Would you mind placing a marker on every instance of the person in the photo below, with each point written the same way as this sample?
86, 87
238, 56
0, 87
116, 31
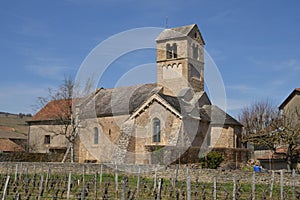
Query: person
257, 168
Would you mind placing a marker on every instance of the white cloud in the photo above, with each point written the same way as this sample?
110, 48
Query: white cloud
48, 67
49, 70
241, 88
291, 64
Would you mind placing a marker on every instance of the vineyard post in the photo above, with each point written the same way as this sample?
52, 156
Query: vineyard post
215, 188
159, 188
83, 173
116, 179
234, 188
176, 174
47, 176
34, 171
27, 172
21, 170
101, 170
123, 190
154, 184
5, 187
69, 185
188, 187
83, 193
41, 186
16, 173
96, 177
272, 184
187, 171
6, 170
281, 184
253, 186
83, 183
294, 184
138, 181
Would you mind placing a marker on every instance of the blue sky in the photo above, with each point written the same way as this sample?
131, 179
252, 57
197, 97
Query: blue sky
255, 44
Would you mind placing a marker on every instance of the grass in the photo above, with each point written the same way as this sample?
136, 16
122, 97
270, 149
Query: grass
12, 122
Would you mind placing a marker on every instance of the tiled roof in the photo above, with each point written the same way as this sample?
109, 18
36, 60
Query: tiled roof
278, 155
11, 135
7, 145
54, 110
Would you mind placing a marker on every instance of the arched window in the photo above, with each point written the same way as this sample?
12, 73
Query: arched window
169, 51
174, 50
96, 135
195, 51
156, 130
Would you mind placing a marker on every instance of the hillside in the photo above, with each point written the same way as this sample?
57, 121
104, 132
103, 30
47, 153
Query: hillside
13, 122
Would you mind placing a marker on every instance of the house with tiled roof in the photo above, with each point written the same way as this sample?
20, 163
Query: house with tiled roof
11, 141
166, 122
47, 124
290, 109
291, 104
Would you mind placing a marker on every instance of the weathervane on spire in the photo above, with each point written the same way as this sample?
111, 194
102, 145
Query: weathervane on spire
167, 20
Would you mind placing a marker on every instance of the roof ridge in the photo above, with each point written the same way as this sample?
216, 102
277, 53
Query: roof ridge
129, 86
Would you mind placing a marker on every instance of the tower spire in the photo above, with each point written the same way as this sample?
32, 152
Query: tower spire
167, 21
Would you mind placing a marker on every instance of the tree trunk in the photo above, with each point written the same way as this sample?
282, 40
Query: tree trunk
72, 151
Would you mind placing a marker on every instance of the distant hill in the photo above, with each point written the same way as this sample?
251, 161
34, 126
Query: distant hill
14, 122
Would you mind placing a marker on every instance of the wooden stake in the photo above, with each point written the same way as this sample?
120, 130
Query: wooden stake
96, 177
272, 184
281, 184
294, 184
234, 188
253, 186
69, 185
41, 187
159, 189
188, 188
116, 180
215, 188
5, 187
138, 181
101, 170
155, 175
16, 173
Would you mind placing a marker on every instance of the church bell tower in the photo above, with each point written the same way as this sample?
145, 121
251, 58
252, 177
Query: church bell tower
180, 60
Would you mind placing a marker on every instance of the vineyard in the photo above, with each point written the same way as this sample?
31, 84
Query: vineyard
21, 183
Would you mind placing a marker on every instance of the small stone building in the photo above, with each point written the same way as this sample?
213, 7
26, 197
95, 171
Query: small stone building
166, 122
291, 105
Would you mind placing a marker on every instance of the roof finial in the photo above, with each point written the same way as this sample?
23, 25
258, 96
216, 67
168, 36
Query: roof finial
167, 20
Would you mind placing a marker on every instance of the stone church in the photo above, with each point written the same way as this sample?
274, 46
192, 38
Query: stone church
166, 122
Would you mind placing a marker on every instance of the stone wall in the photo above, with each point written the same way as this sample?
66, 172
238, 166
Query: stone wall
108, 136
170, 127
202, 175
37, 135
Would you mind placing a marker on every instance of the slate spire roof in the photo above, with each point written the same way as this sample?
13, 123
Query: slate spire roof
177, 32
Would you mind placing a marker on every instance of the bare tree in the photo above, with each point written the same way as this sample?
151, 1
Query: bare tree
265, 125
59, 107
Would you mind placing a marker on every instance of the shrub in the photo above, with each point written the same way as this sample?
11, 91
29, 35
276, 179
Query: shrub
212, 160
